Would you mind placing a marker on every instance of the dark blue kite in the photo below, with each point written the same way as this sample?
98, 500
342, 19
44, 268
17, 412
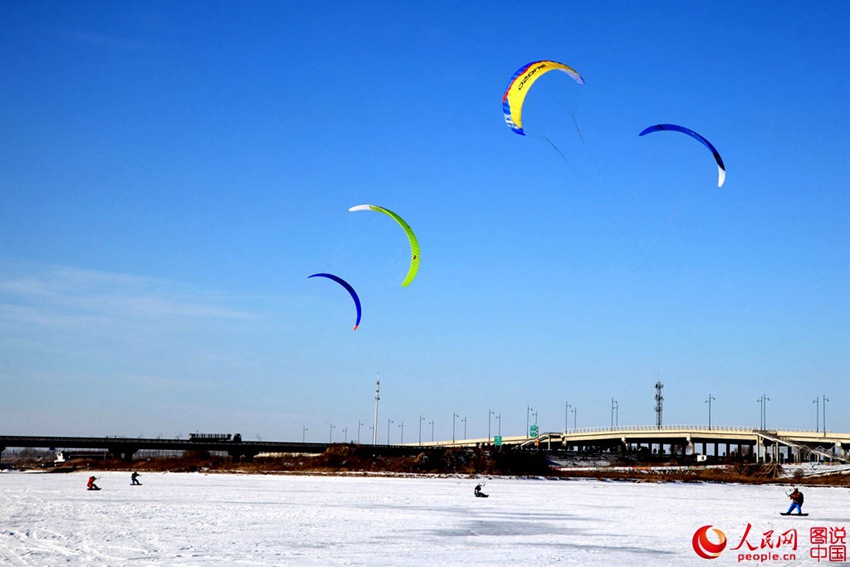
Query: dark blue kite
721, 169
350, 289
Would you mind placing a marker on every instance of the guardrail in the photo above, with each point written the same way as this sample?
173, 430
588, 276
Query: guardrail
717, 428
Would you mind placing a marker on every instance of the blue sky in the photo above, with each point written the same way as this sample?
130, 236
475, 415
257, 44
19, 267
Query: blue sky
173, 172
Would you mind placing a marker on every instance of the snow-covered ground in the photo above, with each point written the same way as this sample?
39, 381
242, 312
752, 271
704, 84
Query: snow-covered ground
233, 519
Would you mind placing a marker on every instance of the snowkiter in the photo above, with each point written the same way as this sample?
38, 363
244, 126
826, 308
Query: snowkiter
478, 492
134, 478
796, 501
91, 485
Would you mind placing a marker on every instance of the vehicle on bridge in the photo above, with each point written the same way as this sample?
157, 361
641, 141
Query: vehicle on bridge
215, 437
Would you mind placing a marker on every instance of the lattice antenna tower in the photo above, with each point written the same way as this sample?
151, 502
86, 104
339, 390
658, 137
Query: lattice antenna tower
377, 399
659, 403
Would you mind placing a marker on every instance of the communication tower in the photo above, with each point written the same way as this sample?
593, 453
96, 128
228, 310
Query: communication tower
377, 399
659, 403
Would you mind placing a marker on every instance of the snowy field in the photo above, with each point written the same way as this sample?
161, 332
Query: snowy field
232, 519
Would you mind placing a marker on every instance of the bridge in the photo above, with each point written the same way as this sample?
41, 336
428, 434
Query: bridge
744, 443
126, 447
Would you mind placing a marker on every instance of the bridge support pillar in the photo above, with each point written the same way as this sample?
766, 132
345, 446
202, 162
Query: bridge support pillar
123, 452
240, 456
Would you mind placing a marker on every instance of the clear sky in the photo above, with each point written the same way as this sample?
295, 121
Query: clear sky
172, 172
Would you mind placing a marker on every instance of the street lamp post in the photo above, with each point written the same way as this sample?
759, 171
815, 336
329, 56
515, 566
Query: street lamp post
766, 399
359, 424
345, 434
454, 416
421, 419
816, 401
566, 417
401, 425
763, 401
304, 434
825, 399
464, 427
331, 437
389, 422
708, 401
528, 410
490, 413
613, 405
432, 430
575, 419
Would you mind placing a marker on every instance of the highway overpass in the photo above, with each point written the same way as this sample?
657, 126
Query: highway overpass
719, 441
745, 443
126, 447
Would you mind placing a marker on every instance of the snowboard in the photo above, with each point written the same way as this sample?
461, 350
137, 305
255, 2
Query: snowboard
791, 514
93, 488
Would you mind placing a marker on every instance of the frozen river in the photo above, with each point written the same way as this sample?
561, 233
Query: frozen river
232, 519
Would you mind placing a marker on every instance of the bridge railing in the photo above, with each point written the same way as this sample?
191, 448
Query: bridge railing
713, 428
605, 428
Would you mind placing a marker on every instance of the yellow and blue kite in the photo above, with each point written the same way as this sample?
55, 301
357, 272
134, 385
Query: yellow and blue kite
519, 84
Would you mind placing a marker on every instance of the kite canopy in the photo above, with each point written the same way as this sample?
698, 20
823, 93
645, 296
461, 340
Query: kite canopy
521, 82
414, 244
721, 168
350, 289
